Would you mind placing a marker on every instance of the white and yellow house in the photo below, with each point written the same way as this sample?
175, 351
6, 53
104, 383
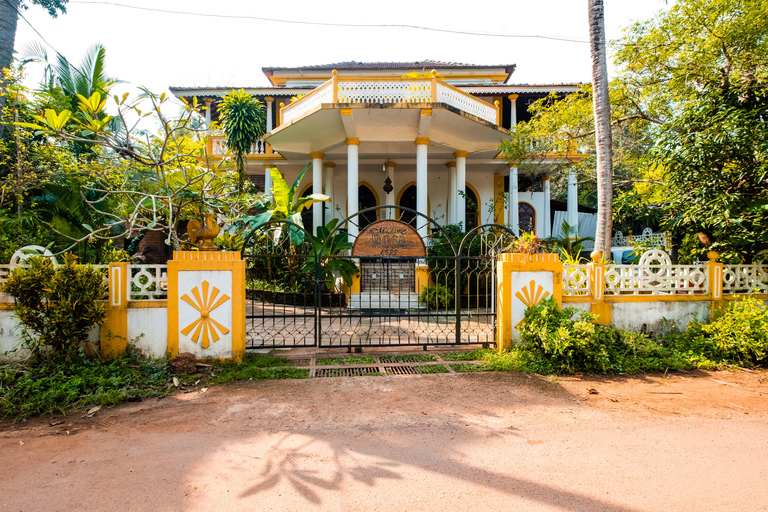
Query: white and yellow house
377, 136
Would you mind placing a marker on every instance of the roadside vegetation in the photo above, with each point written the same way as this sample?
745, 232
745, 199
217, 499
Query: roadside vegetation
555, 341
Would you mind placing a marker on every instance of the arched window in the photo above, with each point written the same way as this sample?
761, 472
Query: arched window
526, 218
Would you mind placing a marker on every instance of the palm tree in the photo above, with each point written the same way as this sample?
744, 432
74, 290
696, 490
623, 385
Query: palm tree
602, 109
243, 118
63, 82
89, 77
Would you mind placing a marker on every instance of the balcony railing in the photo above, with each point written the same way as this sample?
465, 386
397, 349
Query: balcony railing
219, 146
388, 90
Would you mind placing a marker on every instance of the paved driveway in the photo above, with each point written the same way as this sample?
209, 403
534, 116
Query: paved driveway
491, 441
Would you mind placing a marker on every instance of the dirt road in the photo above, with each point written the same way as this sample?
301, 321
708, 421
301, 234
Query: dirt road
486, 441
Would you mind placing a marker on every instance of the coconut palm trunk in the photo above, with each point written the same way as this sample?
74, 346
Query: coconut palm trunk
602, 109
9, 15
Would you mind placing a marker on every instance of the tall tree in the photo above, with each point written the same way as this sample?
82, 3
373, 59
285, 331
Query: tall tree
243, 118
602, 109
9, 17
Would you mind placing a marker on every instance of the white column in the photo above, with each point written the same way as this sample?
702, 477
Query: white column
461, 186
513, 110
547, 214
422, 204
270, 124
514, 201
391, 198
330, 207
451, 216
208, 104
353, 148
317, 188
573, 200
268, 179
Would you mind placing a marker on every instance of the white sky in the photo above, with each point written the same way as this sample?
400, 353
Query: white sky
159, 50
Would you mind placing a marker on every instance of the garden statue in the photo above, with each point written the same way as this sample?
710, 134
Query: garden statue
204, 233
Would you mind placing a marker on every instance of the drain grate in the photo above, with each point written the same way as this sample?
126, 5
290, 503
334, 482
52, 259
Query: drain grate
415, 370
408, 358
346, 372
400, 370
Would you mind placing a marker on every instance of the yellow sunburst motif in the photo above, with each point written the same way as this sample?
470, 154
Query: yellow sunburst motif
205, 304
531, 296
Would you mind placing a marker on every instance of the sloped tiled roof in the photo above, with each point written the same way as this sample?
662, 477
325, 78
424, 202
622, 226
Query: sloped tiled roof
361, 66
353, 65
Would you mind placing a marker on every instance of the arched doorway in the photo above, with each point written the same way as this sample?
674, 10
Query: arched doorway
408, 200
526, 217
366, 199
306, 215
472, 209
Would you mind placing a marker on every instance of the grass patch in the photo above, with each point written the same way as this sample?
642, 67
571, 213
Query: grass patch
474, 355
266, 361
334, 361
64, 387
431, 368
471, 367
413, 358
246, 372
259, 367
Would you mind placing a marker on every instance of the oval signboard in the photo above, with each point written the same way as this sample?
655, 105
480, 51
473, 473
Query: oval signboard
389, 238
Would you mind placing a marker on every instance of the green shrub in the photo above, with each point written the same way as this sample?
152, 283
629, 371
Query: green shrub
61, 387
566, 341
57, 307
436, 297
738, 336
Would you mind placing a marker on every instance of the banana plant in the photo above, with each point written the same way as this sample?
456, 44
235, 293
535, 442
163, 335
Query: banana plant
286, 204
327, 249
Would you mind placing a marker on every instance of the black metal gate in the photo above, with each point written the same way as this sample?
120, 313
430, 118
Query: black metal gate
296, 297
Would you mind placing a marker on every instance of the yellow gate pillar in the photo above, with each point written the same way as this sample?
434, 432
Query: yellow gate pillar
206, 305
114, 328
523, 281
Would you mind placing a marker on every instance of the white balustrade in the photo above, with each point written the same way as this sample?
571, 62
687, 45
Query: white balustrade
404, 91
655, 275
465, 102
388, 91
148, 282
745, 279
303, 105
219, 146
576, 280
657, 240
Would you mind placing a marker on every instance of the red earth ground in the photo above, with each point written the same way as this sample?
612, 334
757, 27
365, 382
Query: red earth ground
484, 441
